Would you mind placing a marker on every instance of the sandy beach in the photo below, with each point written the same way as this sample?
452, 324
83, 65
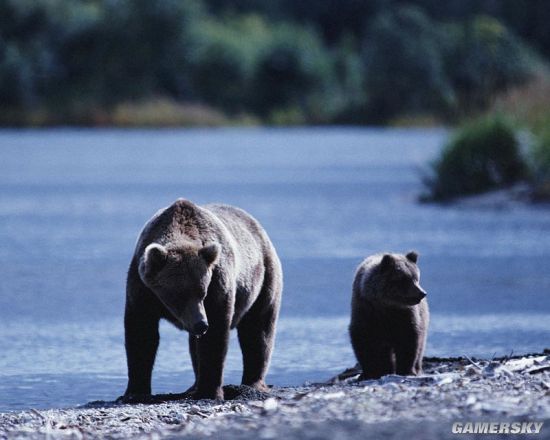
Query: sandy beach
450, 391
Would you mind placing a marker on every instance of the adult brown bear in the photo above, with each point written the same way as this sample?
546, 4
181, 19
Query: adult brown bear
206, 269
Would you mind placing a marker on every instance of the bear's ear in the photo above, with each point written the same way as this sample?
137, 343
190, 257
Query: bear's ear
210, 253
387, 262
412, 256
154, 258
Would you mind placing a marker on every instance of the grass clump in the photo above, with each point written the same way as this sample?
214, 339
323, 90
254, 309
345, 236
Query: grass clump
527, 105
481, 156
165, 113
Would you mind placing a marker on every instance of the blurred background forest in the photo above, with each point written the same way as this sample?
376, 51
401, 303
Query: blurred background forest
282, 62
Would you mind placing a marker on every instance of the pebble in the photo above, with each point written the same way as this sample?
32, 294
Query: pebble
448, 391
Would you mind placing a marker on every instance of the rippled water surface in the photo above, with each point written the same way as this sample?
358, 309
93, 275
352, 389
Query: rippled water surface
72, 203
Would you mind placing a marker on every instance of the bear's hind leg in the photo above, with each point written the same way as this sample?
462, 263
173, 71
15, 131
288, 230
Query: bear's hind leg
256, 332
256, 336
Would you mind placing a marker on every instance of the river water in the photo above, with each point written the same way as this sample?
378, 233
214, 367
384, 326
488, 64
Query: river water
72, 203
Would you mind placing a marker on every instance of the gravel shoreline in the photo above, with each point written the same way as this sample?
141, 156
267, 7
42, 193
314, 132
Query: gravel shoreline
451, 390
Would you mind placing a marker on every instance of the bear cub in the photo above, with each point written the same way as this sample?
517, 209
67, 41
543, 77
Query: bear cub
389, 316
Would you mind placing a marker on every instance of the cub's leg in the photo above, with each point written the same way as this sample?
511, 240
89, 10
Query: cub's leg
375, 357
406, 355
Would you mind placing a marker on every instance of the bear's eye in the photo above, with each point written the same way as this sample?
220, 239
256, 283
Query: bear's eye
404, 281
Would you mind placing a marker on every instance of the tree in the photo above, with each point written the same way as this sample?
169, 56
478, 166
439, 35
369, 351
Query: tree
292, 71
403, 64
130, 49
28, 52
483, 59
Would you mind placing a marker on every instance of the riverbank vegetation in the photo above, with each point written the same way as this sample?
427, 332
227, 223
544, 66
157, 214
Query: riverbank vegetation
508, 145
482, 155
540, 164
220, 62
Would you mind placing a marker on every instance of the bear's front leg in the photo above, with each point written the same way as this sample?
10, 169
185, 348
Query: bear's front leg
408, 343
141, 341
211, 351
406, 356
193, 352
374, 354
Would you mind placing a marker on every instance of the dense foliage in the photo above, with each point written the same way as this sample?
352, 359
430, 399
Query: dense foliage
405, 70
540, 164
282, 61
482, 155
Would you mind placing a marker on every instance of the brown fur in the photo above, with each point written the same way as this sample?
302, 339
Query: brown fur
206, 270
389, 316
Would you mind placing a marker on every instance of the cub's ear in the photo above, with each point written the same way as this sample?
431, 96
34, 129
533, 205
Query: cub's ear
387, 262
210, 253
153, 259
412, 256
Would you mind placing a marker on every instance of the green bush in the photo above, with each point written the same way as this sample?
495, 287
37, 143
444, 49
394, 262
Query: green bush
293, 71
226, 90
482, 58
29, 64
16, 82
346, 100
482, 155
224, 58
404, 66
113, 51
541, 165
243, 64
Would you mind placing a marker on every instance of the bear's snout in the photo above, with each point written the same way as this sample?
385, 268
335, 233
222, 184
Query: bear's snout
420, 295
200, 328
420, 292
414, 296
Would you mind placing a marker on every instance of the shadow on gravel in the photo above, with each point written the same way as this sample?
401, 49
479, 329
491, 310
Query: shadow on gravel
231, 392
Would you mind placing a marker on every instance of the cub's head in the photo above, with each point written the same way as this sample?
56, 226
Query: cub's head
179, 277
399, 280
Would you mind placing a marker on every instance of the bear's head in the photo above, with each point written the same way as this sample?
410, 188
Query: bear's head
398, 280
179, 277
